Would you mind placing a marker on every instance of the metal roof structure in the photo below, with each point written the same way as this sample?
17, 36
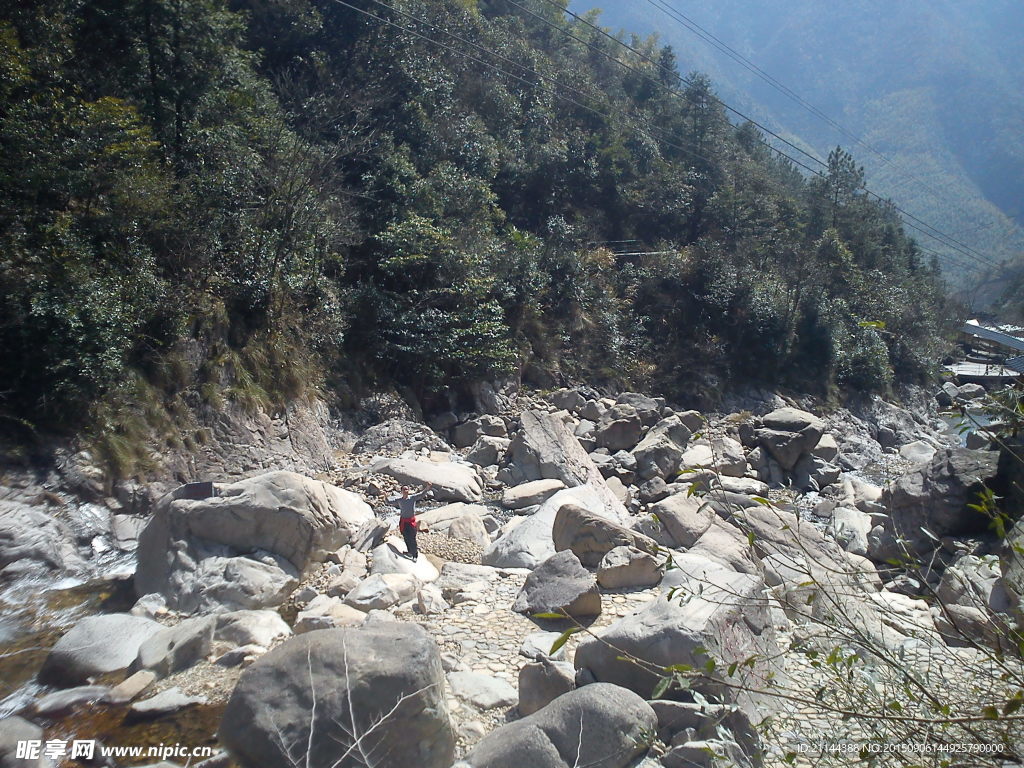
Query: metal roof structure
974, 328
1016, 364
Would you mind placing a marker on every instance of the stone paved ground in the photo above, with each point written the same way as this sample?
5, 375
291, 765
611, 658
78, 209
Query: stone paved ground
486, 636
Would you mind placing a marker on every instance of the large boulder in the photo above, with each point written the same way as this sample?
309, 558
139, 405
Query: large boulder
452, 481
530, 494
383, 590
481, 691
107, 642
936, 497
628, 567
706, 612
544, 448
343, 698
596, 725
685, 518
660, 452
469, 432
173, 649
619, 428
591, 537
543, 681
560, 585
647, 408
487, 450
285, 518
440, 518
250, 628
530, 542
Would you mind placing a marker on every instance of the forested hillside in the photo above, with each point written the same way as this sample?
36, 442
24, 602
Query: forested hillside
932, 89
202, 201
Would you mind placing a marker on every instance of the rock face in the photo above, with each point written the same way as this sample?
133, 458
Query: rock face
397, 435
617, 726
239, 548
97, 644
544, 448
591, 537
716, 613
29, 533
936, 496
345, 698
560, 585
452, 482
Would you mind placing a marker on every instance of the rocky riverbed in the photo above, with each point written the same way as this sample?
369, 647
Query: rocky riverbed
815, 583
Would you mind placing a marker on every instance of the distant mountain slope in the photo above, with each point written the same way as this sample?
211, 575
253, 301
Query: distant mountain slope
935, 86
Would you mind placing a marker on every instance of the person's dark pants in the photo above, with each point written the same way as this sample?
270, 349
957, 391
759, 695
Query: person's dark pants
409, 534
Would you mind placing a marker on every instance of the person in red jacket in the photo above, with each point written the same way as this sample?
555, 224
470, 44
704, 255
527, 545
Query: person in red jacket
406, 504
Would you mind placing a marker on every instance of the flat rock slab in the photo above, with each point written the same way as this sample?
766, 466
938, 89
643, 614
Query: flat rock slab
482, 691
95, 645
164, 703
530, 494
451, 481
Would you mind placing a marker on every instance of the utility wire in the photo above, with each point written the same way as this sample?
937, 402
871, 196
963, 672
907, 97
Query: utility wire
550, 79
923, 228
708, 37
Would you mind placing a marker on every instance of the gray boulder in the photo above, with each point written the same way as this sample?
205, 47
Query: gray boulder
469, 528
530, 542
628, 567
543, 681
560, 585
344, 698
451, 481
936, 496
487, 451
481, 691
282, 521
383, 590
850, 528
596, 725
325, 612
97, 644
647, 408
619, 428
164, 703
397, 435
250, 628
469, 432
794, 420
173, 649
660, 452
713, 614
13, 730
530, 494
730, 458
685, 518
591, 537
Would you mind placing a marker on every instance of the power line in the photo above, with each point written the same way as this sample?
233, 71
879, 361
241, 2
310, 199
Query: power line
545, 77
924, 228
715, 42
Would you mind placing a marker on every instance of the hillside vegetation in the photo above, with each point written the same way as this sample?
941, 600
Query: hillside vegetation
201, 201
932, 88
